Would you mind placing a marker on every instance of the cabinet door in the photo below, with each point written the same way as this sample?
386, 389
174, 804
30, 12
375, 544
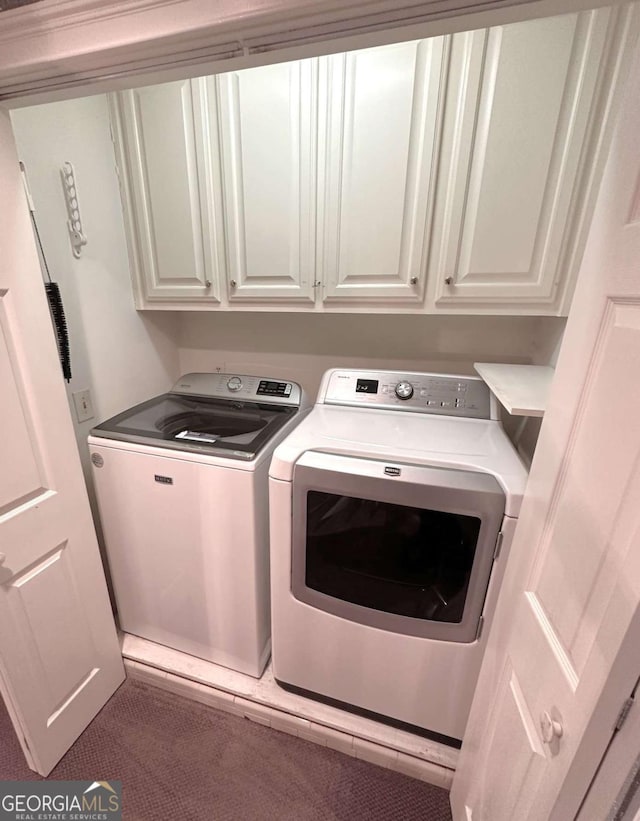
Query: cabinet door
518, 105
168, 188
381, 116
268, 129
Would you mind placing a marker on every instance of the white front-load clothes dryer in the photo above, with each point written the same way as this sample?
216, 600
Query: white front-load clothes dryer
392, 508
182, 488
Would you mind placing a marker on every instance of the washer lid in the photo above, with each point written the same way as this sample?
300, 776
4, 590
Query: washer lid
237, 429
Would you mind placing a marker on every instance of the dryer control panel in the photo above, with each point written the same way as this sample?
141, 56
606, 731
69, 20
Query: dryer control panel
437, 393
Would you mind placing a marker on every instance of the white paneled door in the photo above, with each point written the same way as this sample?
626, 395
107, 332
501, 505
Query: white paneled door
268, 149
379, 133
170, 186
547, 701
518, 107
59, 655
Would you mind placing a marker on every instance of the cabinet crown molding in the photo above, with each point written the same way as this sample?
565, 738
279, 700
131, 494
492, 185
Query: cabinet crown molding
121, 40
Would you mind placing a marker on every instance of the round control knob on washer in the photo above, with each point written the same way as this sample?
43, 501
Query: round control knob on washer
234, 384
404, 390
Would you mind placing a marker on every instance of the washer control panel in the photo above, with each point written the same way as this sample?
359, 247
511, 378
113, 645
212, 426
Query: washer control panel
239, 387
444, 394
268, 387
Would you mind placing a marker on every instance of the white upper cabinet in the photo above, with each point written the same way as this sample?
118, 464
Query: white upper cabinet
268, 148
517, 116
452, 174
379, 120
169, 192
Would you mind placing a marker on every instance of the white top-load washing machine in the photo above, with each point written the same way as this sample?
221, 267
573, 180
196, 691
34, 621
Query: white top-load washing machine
392, 511
182, 489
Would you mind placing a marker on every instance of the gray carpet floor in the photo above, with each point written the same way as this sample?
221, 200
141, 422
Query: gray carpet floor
179, 759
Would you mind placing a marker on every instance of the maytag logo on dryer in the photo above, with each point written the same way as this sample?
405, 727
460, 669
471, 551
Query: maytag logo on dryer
392, 471
164, 480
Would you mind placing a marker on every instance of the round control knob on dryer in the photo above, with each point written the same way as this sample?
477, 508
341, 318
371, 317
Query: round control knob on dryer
234, 384
404, 390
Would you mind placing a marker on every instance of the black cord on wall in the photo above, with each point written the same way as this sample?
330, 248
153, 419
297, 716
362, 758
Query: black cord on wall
55, 305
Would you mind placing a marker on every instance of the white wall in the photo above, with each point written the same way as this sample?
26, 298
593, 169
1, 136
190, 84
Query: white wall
123, 357
301, 347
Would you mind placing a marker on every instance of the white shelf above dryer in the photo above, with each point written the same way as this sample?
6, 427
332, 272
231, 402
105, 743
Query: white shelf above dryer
522, 389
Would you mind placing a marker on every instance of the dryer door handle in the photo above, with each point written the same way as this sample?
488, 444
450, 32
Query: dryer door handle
358, 469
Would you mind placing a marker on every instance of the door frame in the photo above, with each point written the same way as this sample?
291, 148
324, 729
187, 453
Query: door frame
70, 48
108, 46
616, 780
600, 729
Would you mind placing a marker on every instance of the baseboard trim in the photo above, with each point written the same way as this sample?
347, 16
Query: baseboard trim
392, 754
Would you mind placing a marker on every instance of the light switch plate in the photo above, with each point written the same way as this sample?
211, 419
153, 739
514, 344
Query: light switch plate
83, 405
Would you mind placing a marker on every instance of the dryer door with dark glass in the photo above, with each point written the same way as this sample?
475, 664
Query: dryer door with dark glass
400, 547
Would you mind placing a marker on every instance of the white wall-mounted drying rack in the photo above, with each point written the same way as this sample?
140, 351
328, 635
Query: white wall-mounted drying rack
74, 221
